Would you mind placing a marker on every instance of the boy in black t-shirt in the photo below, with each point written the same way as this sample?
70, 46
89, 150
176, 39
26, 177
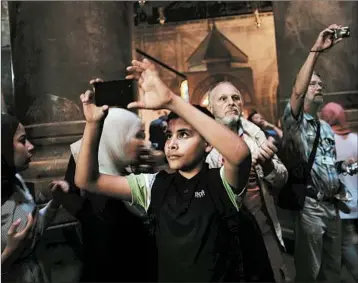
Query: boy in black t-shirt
190, 209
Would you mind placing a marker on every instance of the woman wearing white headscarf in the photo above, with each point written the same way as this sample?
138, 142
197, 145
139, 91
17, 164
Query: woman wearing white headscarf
105, 221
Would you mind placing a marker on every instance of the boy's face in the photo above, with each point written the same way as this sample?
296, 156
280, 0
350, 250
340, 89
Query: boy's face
184, 148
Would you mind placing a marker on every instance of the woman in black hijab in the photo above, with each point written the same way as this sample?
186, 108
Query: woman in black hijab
21, 222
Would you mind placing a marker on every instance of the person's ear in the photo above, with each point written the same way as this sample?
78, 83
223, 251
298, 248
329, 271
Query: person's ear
210, 108
208, 147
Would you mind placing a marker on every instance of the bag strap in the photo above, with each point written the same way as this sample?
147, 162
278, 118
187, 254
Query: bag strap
223, 203
314, 149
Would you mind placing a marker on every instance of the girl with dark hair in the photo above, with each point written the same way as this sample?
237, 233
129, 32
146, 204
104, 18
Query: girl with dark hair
21, 222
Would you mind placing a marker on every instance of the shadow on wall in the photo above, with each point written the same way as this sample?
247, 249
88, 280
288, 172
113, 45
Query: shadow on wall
52, 108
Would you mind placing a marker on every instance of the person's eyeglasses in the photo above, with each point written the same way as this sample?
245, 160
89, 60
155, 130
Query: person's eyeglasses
315, 84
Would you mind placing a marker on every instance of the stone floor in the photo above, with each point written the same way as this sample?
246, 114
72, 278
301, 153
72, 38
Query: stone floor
63, 265
55, 252
345, 277
288, 258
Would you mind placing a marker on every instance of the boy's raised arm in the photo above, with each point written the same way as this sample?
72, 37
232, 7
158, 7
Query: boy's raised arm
156, 95
87, 176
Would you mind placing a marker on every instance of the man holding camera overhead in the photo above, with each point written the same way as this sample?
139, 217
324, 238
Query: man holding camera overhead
318, 225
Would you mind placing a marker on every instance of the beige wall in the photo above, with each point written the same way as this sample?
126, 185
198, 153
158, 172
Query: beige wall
174, 43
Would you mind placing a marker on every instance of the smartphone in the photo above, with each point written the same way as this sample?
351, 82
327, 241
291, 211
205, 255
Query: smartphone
117, 93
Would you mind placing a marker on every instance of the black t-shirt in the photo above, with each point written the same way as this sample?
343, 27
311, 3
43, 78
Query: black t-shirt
192, 236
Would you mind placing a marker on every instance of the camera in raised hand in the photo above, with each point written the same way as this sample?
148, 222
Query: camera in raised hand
341, 33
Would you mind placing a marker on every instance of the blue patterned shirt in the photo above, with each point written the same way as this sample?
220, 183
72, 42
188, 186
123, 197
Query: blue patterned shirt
300, 133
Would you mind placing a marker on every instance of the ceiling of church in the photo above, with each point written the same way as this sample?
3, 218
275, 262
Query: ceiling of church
155, 12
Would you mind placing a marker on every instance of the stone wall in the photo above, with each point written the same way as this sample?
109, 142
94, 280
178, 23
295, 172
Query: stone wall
6, 78
174, 43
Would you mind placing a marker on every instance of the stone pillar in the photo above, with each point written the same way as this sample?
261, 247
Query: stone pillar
297, 25
57, 47
7, 99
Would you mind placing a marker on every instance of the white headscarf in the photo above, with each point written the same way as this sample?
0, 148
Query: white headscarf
119, 127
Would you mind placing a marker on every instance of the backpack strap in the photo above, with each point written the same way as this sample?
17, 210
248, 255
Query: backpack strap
159, 190
221, 199
314, 148
231, 221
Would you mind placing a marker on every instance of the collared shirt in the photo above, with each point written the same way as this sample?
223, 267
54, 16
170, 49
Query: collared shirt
255, 138
191, 242
300, 134
141, 186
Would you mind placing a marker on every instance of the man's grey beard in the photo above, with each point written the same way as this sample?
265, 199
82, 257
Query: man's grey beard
231, 122
312, 105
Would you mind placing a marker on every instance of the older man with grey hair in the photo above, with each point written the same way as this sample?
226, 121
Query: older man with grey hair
267, 176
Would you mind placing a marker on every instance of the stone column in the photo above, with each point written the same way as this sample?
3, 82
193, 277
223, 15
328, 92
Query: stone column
7, 99
297, 25
57, 47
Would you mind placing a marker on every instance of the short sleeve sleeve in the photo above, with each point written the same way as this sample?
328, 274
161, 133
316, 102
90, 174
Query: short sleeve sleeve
141, 186
289, 122
214, 159
235, 199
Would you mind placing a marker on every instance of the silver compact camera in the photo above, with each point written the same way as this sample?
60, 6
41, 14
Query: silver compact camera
341, 33
352, 168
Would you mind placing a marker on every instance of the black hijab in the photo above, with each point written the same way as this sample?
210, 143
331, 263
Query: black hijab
9, 126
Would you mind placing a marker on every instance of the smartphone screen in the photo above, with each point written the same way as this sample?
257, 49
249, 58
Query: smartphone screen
114, 93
